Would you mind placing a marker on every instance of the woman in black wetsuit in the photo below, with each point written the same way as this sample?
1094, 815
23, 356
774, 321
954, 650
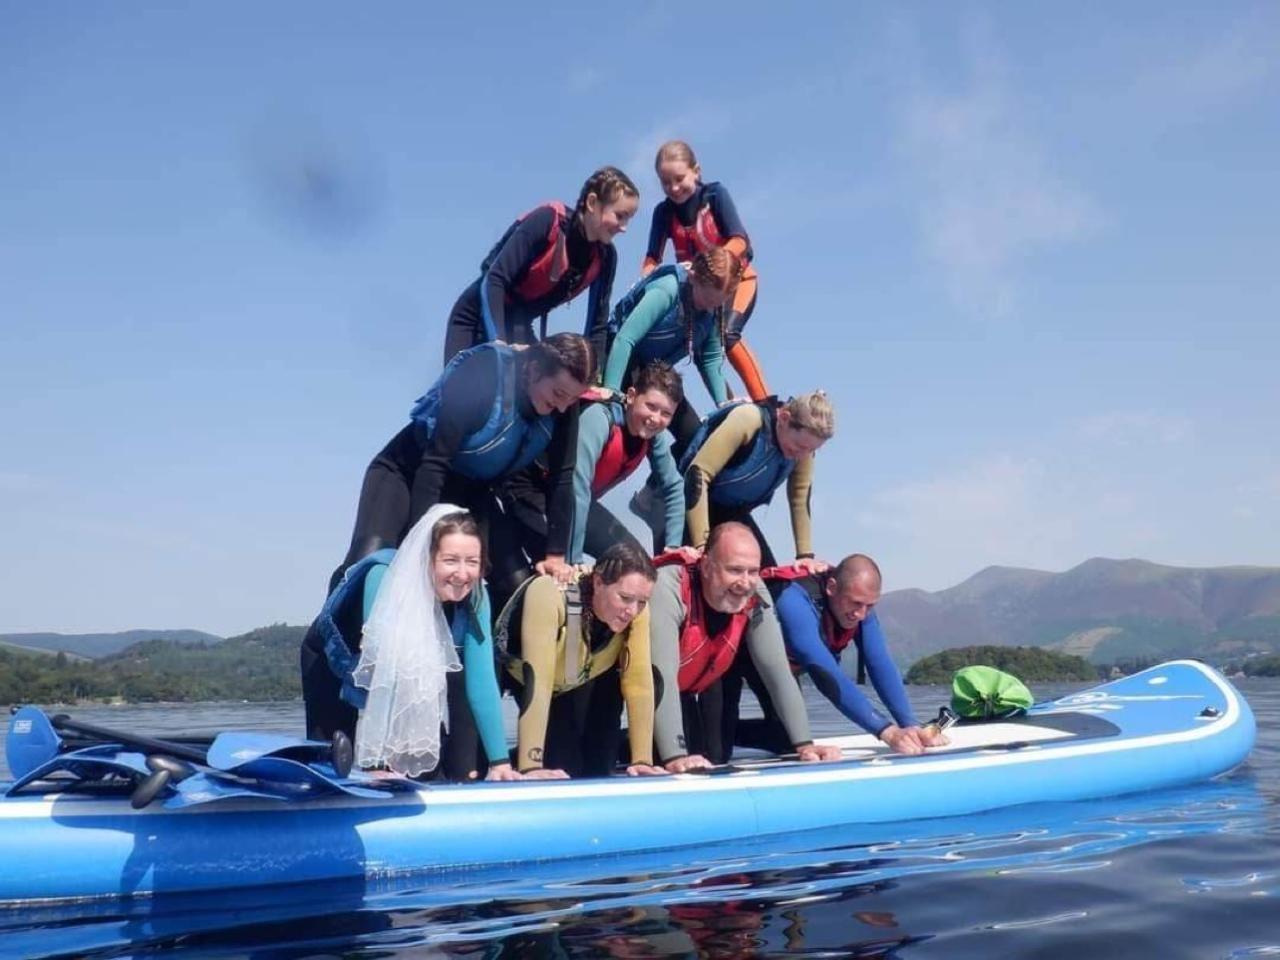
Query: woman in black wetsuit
545, 259
493, 410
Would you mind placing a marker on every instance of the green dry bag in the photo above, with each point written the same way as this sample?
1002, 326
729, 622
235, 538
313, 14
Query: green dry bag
985, 693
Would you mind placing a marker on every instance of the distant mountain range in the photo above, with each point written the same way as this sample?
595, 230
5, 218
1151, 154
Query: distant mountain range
95, 645
1106, 611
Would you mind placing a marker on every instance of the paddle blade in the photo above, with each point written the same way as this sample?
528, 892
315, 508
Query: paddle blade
31, 741
235, 748
302, 780
91, 763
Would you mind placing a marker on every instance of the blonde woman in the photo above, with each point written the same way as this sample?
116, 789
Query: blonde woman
742, 453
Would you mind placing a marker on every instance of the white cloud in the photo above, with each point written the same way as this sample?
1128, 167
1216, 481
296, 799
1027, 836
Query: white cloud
1132, 428
988, 196
1002, 509
1220, 71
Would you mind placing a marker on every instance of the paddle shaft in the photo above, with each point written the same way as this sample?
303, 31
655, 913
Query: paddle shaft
62, 722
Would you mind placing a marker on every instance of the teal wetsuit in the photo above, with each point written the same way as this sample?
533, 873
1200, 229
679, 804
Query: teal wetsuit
591, 521
634, 346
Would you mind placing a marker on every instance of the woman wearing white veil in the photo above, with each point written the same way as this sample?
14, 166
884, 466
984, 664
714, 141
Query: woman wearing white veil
426, 703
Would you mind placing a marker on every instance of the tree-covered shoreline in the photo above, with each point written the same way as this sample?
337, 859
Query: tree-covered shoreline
1029, 664
260, 665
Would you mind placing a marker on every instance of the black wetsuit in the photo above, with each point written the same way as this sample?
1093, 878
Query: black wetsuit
413, 473
482, 312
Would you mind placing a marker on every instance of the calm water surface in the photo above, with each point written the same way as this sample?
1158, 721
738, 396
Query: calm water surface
1190, 873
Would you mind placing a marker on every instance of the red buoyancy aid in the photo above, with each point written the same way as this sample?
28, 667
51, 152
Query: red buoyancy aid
614, 465
702, 234
704, 659
833, 635
545, 272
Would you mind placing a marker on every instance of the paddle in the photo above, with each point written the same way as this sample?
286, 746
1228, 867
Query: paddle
64, 724
233, 749
228, 750
230, 764
35, 739
232, 752
31, 741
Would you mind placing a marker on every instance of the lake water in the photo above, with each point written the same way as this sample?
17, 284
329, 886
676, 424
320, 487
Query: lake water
1192, 873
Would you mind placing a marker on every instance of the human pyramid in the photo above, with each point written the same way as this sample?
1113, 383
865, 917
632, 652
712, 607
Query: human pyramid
466, 577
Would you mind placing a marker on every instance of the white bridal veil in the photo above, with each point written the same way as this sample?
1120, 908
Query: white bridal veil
406, 652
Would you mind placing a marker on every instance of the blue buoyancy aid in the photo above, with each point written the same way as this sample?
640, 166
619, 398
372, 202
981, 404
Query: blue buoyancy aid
341, 621
508, 441
669, 339
344, 606
748, 479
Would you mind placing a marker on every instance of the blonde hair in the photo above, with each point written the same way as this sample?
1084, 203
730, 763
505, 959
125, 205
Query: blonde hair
812, 412
675, 150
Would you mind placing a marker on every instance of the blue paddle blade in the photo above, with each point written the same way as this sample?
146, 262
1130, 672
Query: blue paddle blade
91, 763
233, 749
303, 780
31, 741
209, 787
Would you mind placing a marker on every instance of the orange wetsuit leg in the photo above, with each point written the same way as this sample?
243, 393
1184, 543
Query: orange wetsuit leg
741, 357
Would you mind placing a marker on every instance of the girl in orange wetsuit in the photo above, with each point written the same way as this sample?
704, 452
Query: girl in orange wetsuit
697, 216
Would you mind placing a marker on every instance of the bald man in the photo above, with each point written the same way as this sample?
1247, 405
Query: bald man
822, 614
705, 614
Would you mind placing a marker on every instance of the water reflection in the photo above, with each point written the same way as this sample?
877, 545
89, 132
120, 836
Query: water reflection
856, 892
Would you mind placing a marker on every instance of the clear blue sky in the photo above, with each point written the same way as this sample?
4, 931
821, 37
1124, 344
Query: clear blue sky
1032, 251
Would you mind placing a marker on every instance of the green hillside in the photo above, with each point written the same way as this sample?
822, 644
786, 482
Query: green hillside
94, 645
1028, 664
259, 665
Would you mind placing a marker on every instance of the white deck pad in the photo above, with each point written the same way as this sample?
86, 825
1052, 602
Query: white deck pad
967, 737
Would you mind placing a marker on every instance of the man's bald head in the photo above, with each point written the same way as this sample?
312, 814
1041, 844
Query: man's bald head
732, 536
730, 567
854, 590
858, 567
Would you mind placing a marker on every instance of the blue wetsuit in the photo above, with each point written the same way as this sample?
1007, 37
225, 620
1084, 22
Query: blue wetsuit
800, 610
801, 629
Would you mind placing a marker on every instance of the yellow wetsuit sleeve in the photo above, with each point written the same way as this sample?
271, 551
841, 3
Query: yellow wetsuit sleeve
736, 431
799, 488
637, 690
542, 623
